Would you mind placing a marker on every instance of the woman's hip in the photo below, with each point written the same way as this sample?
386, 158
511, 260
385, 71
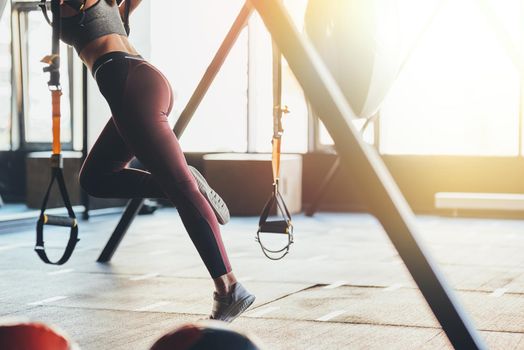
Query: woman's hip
127, 80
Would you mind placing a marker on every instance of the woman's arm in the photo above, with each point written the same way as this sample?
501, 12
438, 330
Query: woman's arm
133, 4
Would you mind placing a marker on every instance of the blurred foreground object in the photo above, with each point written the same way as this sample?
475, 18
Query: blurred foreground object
205, 336
33, 336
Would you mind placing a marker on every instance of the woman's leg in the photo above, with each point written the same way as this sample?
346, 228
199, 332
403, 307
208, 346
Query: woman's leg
140, 99
104, 173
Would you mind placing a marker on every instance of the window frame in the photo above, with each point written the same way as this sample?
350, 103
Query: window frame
19, 42
12, 104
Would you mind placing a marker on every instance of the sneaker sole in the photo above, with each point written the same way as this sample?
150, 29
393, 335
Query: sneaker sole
217, 203
238, 308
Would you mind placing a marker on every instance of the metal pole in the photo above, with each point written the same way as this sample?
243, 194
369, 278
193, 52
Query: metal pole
85, 141
2, 8
321, 191
384, 197
185, 117
277, 82
132, 209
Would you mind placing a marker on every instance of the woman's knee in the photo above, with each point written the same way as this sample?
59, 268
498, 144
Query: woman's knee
90, 181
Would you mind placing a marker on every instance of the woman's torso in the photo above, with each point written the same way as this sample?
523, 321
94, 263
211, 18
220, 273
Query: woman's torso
97, 32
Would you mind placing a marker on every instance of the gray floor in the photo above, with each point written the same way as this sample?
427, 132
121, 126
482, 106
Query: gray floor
342, 287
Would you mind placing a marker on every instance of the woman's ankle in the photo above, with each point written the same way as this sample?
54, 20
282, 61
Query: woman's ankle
224, 283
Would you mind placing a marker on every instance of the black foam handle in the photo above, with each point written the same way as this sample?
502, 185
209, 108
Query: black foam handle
278, 226
60, 221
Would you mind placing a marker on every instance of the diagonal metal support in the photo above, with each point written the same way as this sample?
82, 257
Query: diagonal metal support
135, 204
321, 190
385, 199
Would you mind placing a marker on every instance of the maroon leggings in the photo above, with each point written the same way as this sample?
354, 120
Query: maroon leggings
140, 99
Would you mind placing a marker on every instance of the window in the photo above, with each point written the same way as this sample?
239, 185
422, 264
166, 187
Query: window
459, 90
5, 79
183, 55
295, 123
37, 100
459, 93
185, 37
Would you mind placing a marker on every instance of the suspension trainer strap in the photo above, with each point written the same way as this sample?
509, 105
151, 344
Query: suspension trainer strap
45, 219
282, 226
43, 7
78, 5
276, 201
53, 68
125, 20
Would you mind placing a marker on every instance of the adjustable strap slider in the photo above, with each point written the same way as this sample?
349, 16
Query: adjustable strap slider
39, 247
51, 59
57, 161
282, 109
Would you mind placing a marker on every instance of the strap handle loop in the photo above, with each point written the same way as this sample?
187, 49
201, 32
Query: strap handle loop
57, 175
283, 226
44, 219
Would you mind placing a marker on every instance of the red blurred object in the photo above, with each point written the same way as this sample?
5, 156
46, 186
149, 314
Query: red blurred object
182, 338
32, 336
208, 335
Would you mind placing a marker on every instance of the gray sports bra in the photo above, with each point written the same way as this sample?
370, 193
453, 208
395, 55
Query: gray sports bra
96, 21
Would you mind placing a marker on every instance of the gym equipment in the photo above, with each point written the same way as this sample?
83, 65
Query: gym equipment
205, 336
57, 175
341, 40
384, 198
360, 43
244, 180
275, 201
84, 197
348, 35
33, 336
321, 190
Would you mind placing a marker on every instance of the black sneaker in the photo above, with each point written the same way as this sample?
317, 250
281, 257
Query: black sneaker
233, 305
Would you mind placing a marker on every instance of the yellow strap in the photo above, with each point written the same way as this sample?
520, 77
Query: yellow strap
55, 97
49, 59
275, 158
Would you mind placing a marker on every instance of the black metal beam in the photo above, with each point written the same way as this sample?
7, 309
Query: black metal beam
132, 209
321, 190
384, 197
185, 117
85, 138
